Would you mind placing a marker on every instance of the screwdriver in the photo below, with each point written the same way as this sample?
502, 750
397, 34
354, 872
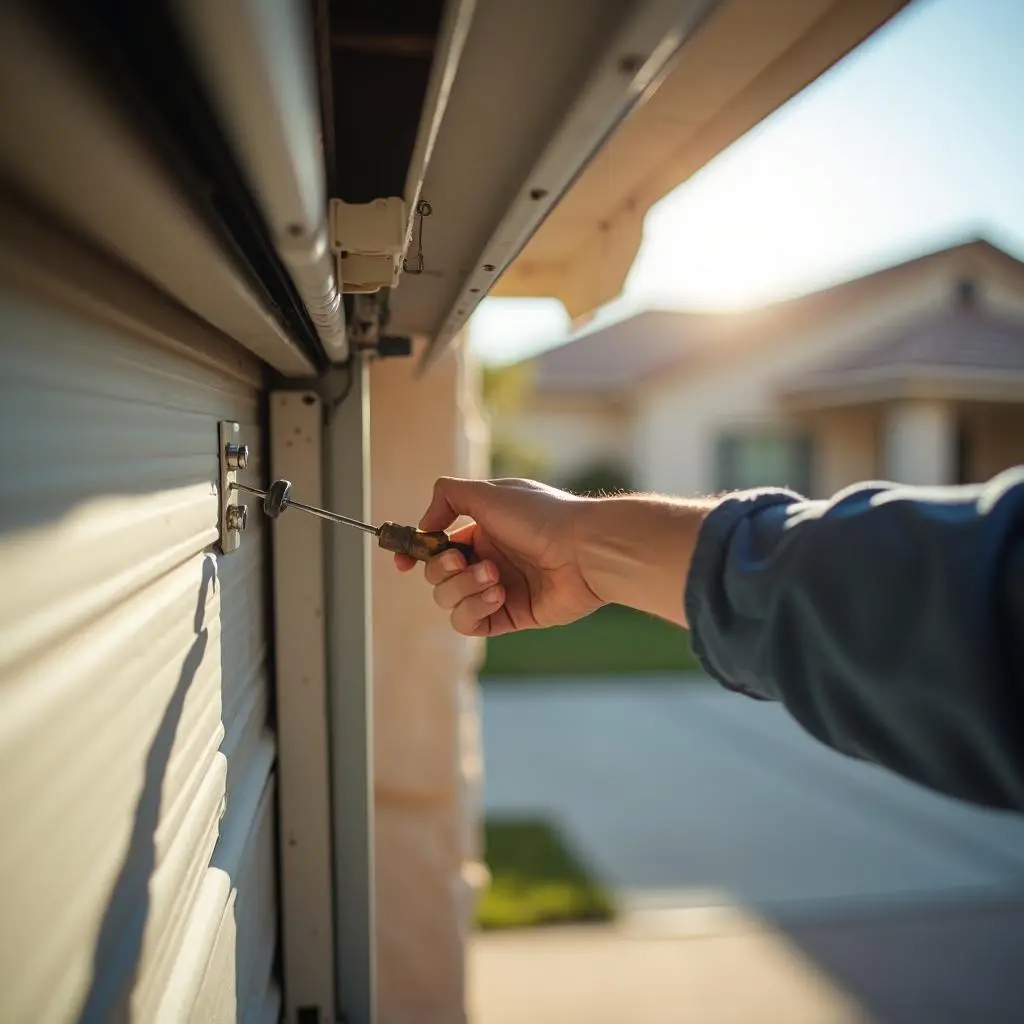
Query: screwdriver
403, 540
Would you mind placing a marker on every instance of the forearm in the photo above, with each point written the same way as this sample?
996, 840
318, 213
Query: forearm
636, 550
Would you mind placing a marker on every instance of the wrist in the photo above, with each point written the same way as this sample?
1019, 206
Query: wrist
636, 550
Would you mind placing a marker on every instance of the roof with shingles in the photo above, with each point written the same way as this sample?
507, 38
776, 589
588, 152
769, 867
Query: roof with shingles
623, 354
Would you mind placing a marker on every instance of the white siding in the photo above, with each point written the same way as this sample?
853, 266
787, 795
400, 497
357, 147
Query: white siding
136, 787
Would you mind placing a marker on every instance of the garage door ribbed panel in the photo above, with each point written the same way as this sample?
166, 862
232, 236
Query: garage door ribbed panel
136, 754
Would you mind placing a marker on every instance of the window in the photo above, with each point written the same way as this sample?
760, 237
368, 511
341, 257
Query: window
763, 458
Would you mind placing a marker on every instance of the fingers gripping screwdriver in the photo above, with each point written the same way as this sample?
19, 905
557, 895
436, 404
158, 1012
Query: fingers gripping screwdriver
403, 540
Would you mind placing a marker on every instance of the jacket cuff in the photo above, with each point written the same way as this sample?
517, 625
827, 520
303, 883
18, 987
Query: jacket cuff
706, 580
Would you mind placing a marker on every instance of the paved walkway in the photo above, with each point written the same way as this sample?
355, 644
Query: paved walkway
736, 842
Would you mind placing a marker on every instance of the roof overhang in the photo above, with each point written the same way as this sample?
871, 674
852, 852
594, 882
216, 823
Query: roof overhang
745, 60
910, 383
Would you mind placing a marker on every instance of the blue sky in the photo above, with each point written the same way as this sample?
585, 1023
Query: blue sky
913, 141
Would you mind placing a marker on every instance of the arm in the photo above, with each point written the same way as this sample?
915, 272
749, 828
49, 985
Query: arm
889, 621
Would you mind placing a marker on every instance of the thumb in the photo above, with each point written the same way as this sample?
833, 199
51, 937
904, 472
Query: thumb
452, 498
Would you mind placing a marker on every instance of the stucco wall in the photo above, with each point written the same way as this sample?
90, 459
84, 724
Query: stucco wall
427, 758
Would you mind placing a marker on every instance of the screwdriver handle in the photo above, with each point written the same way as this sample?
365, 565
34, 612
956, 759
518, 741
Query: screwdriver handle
420, 544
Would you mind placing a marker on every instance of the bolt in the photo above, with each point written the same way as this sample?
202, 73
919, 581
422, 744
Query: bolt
236, 455
236, 517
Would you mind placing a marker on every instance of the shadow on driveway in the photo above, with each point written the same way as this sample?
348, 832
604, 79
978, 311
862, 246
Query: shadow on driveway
684, 796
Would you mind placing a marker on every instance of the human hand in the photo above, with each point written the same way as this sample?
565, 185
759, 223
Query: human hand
529, 571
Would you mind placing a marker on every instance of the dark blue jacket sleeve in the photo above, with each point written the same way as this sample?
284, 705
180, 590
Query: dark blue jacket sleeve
888, 620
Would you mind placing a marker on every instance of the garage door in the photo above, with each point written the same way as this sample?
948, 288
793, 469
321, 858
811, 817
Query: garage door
136, 755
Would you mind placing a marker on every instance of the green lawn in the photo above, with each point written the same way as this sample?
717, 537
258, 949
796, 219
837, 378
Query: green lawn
612, 641
535, 879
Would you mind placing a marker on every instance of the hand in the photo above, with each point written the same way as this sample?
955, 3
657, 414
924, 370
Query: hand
529, 571
548, 557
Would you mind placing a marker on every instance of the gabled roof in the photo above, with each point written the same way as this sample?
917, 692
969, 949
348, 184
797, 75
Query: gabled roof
965, 341
623, 354
616, 357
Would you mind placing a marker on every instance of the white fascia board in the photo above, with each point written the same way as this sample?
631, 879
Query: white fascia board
624, 71
455, 22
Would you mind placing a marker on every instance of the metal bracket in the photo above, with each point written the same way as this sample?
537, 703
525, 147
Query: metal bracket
368, 240
233, 456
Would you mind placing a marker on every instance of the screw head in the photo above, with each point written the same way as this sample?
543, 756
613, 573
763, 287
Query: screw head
236, 517
236, 455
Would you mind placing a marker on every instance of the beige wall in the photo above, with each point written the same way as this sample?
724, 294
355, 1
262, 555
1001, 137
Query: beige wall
570, 434
847, 444
427, 759
995, 439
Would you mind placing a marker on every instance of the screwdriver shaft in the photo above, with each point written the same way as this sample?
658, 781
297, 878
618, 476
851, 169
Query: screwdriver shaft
332, 517
248, 490
421, 545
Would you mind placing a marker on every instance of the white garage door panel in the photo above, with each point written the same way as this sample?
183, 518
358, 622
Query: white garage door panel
254, 919
136, 756
201, 955
77, 728
228, 951
82, 487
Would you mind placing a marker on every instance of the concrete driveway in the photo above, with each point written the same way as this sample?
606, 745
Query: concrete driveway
716, 816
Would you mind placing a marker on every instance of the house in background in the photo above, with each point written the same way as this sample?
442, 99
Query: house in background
913, 373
